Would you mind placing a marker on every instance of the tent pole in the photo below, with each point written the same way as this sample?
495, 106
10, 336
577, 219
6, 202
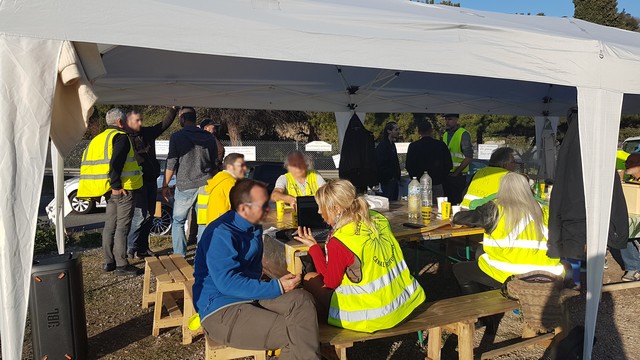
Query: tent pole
57, 165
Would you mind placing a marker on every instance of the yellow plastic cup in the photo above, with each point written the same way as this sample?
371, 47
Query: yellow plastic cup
446, 209
426, 214
280, 209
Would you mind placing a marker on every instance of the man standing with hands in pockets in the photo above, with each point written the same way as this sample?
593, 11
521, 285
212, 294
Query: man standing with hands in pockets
236, 307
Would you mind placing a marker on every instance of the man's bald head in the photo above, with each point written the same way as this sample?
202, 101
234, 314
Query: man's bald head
632, 165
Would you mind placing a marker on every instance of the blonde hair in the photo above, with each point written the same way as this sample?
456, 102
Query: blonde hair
340, 196
518, 203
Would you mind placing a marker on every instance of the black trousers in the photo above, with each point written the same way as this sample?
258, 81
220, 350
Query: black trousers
472, 279
454, 188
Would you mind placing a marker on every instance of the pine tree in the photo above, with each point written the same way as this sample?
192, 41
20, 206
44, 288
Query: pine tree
603, 12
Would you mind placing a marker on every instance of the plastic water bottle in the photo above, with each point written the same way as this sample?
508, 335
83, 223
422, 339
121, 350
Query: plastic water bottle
427, 190
414, 200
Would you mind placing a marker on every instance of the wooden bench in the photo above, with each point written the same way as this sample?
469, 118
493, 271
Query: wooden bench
457, 315
215, 351
174, 279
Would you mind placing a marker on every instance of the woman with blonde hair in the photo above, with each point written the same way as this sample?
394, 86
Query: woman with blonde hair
362, 282
515, 238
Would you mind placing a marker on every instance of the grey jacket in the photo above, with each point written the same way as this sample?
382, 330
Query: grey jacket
192, 155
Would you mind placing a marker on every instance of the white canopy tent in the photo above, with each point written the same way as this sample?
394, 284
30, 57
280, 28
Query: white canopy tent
393, 55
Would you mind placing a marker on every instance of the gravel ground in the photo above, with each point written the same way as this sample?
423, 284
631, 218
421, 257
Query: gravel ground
118, 328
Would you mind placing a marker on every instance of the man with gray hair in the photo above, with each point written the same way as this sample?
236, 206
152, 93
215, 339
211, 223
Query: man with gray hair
109, 168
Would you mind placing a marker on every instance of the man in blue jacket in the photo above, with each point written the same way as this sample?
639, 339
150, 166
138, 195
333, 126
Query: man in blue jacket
236, 308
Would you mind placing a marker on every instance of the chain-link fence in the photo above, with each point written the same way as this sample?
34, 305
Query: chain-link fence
276, 151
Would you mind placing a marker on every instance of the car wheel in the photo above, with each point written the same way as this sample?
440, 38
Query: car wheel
80, 206
162, 224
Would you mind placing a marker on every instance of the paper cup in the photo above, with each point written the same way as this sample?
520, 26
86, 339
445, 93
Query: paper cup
280, 209
455, 209
426, 214
446, 210
440, 200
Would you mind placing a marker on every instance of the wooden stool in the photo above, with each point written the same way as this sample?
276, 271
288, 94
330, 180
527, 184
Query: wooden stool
174, 279
215, 351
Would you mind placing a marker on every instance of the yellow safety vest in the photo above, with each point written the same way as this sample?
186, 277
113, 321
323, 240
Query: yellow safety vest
387, 293
293, 188
94, 169
455, 149
621, 158
486, 182
518, 251
201, 205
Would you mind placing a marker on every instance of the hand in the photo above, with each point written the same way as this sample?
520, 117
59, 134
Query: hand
166, 193
290, 282
119, 192
305, 236
291, 201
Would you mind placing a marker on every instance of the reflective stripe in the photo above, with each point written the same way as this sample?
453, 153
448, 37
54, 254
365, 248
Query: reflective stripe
130, 173
522, 268
456, 163
108, 142
457, 154
517, 244
202, 191
94, 177
472, 197
368, 314
95, 162
374, 285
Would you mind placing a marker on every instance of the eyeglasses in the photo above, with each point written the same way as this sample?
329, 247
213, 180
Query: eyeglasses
264, 206
240, 164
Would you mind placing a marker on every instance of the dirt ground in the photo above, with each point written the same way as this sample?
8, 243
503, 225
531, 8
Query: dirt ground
118, 328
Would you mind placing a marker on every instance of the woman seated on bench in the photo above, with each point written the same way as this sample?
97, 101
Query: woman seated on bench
515, 238
363, 282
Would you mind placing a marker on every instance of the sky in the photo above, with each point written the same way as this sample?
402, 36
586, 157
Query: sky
548, 7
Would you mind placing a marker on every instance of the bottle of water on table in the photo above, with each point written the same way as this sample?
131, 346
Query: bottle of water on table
427, 197
414, 200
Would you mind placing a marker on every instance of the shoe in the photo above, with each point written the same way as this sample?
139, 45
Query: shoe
631, 275
144, 254
127, 270
131, 253
108, 267
606, 263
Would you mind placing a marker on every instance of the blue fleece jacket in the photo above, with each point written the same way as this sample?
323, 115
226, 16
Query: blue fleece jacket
228, 265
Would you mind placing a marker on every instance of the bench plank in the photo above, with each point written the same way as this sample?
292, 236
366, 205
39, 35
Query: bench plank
184, 267
157, 268
428, 315
172, 269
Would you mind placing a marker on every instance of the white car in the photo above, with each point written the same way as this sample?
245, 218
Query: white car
161, 224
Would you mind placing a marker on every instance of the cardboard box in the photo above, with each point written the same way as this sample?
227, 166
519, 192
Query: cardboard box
632, 197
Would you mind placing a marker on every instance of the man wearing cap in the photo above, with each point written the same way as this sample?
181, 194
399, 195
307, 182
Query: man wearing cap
210, 126
431, 156
143, 139
458, 141
192, 154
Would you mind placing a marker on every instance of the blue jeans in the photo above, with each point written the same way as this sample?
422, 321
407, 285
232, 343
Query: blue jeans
138, 239
183, 201
630, 256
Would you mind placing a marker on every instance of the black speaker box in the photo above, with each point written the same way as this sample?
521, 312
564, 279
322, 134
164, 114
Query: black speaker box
56, 308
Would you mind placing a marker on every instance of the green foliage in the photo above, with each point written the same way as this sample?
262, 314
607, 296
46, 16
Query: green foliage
89, 240
323, 126
45, 238
604, 12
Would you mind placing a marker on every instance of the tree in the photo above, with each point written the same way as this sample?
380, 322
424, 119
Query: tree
603, 12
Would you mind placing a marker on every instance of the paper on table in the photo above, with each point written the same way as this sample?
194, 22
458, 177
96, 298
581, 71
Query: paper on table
270, 231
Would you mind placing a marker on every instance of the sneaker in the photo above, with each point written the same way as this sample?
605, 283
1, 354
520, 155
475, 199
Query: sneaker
631, 275
131, 253
144, 254
606, 263
127, 270
108, 267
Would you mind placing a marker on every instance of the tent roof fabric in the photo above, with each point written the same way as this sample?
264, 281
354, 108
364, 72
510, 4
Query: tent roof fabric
369, 40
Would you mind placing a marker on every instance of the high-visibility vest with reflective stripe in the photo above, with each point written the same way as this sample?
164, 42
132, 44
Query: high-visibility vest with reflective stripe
485, 182
201, 205
518, 251
293, 188
387, 293
621, 158
455, 149
94, 169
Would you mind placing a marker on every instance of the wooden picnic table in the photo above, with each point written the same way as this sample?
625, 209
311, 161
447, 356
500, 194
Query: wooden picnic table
281, 256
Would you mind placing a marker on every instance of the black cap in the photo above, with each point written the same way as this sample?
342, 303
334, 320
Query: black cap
451, 115
207, 122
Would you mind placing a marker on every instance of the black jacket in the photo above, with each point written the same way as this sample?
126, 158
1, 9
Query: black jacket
430, 155
567, 214
144, 145
387, 162
358, 156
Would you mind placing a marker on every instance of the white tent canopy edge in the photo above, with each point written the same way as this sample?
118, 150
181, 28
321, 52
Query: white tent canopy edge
565, 52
